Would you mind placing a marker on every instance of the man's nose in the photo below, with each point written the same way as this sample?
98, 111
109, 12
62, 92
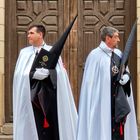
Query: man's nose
118, 39
28, 35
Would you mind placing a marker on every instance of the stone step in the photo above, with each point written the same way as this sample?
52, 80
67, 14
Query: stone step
7, 129
6, 132
6, 137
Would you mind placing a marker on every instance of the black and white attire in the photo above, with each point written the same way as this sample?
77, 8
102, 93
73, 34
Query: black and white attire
25, 121
96, 105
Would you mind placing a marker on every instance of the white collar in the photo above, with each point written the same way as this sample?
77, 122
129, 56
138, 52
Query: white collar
105, 47
37, 49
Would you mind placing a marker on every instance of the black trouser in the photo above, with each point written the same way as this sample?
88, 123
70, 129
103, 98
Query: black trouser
52, 132
116, 134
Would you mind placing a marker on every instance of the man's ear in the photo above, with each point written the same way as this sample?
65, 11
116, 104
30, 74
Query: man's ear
41, 34
107, 38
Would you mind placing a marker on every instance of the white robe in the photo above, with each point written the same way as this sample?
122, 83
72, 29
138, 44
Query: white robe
24, 127
94, 121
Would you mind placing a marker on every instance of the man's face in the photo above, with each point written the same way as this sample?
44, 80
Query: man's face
33, 36
113, 41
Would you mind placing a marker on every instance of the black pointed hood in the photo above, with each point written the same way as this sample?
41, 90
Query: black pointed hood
129, 43
122, 108
58, 46
127, 50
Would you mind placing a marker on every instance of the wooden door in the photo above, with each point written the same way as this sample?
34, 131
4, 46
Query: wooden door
56, 15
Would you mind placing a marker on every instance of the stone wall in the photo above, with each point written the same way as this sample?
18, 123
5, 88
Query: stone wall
2, 20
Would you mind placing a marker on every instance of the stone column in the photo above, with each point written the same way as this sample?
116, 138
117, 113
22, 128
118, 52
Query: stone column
138, 62
2, 11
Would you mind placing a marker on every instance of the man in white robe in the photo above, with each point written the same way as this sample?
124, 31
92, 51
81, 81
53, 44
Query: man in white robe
24, 123
97, 98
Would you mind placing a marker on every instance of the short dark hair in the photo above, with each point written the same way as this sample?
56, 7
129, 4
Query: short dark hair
40, 28
108, 31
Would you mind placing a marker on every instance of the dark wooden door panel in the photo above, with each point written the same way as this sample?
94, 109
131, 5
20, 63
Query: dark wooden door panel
56, 15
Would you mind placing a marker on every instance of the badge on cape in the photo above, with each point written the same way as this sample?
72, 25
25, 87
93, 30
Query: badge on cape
115, 70
45, 58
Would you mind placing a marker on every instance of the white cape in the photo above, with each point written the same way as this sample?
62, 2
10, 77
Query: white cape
95, 101
24, 127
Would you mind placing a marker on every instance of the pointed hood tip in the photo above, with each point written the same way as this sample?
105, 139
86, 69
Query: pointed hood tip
58, 46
